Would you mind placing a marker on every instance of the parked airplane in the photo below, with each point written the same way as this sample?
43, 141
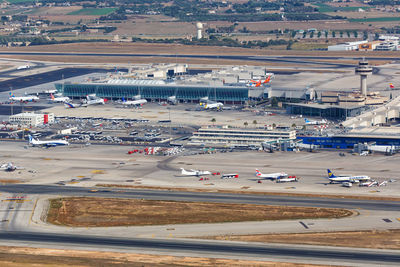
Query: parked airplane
172, 100
253, 83
288, 179
9, 167
323, 121
23, 67
194, 172
51, 143
28, 98
351, 179
136, 102
214, 105
59, 99
94, 100
272, 176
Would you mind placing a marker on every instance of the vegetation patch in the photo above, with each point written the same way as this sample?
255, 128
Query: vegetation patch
93, 11
379, 19
324, 8
103, 212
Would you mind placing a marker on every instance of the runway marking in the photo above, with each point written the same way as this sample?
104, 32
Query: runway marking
33, 209
305, 226
387, 220
16, 200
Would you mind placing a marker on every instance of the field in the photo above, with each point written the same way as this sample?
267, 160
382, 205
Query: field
34, 257
323, 8
389, 239
378, 19
20, 1
92, 11
102, 212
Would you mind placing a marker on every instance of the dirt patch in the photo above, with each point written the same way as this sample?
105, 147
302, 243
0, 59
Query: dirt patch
22, 256
248, 192
388, 239
9, 181
99, 212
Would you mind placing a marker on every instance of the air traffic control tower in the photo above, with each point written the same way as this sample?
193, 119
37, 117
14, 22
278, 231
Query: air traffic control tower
363, 69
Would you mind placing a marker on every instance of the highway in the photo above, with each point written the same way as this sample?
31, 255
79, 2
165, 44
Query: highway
202, 196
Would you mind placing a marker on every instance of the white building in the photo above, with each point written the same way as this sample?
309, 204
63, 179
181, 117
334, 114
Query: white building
239, 136
31, 119
348, 46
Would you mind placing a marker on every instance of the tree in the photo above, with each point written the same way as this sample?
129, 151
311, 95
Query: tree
245, 124
294, 125
273, 125
255, 123
213, 120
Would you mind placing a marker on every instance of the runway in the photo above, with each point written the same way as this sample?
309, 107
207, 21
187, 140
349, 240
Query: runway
286, 59
219, 248
204, 197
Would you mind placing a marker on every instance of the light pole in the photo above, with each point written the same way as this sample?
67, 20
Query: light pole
169, 118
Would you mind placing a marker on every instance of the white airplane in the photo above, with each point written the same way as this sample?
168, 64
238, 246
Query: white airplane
172, 100
10, 167
323, 121
28, 98
272, 176
59, 99
214, 105
350, 179
136, 102
94, 100
288, 179
23, 67
52, 143
194, 172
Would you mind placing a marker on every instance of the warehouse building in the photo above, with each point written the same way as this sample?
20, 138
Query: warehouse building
31, 119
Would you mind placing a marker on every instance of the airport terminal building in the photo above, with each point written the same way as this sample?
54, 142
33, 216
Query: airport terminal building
239, 136
161, 91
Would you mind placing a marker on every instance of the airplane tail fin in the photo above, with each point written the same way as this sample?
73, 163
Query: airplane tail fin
30, 138
68, 105
306, 120
52, 96
258, 173
330, 174
268, 79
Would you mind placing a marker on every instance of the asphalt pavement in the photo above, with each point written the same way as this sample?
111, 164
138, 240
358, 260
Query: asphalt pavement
379, 257
205, 197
